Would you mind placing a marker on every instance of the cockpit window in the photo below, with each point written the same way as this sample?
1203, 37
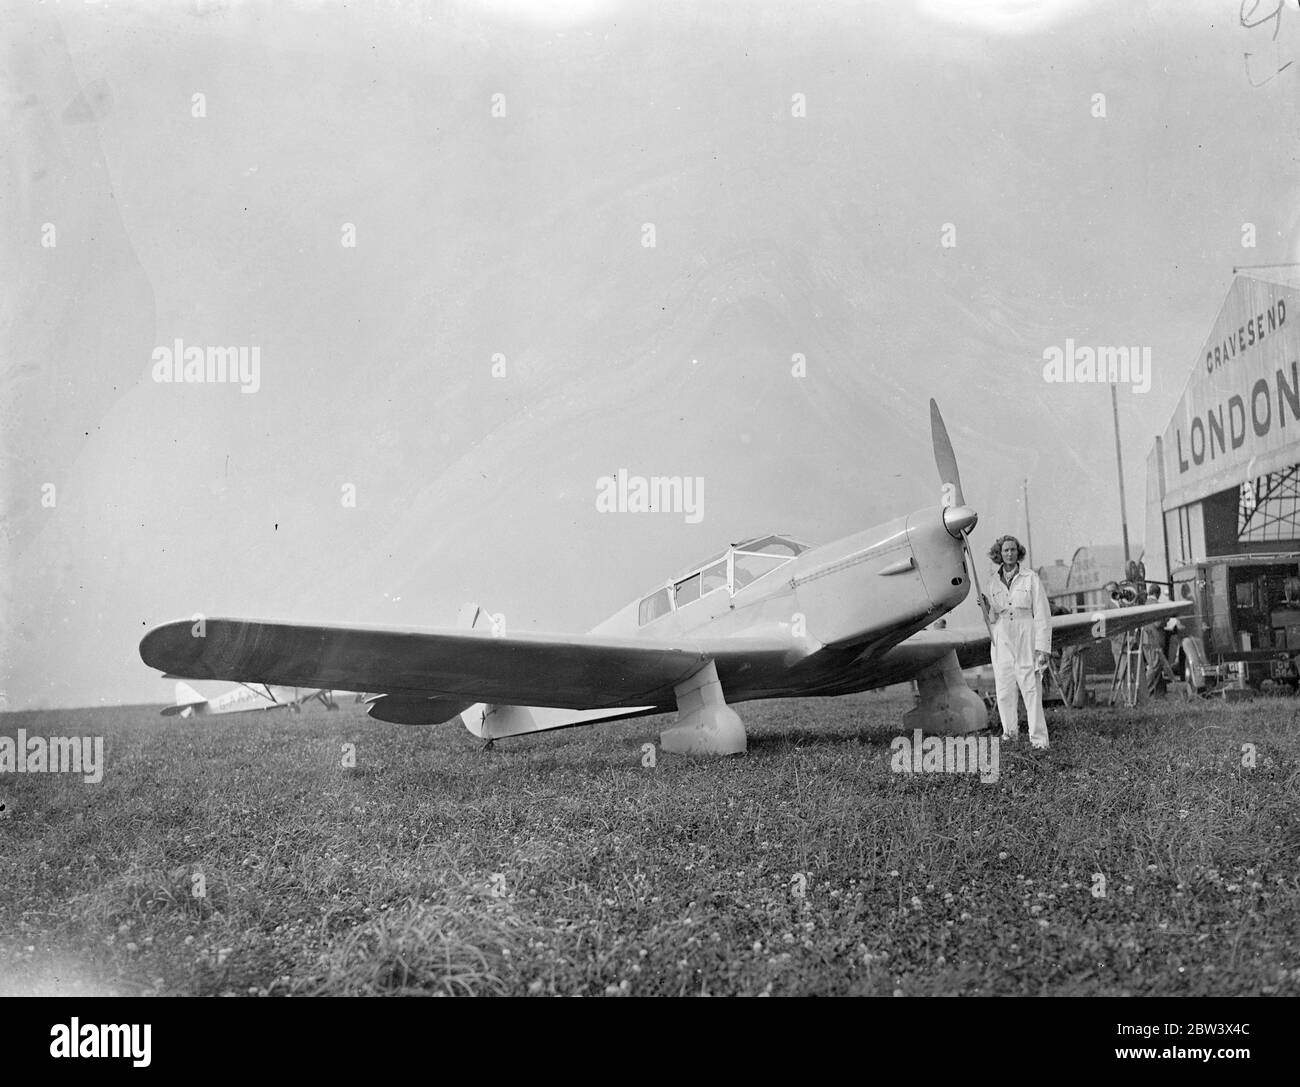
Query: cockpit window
655, 607
715, 577
749, 567
744, 563
688, 591
773, 545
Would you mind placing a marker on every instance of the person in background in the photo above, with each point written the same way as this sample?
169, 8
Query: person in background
1154, 646
1018, 613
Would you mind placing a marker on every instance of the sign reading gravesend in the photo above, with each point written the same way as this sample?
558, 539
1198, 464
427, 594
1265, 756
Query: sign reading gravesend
1242, 402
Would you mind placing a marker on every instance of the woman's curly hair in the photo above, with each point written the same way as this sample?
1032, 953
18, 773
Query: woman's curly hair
995, 552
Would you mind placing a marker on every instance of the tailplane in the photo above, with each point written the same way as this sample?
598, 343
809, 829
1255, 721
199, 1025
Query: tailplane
489, 722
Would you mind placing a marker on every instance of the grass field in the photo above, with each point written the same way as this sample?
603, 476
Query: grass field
238, 855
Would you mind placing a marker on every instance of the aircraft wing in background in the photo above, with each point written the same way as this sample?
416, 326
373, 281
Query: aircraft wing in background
1080, 628
244, 699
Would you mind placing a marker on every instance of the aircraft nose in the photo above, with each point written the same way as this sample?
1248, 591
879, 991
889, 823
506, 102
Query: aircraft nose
959, 520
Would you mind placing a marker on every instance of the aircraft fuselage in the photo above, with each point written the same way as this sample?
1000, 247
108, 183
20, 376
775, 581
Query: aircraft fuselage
840, 608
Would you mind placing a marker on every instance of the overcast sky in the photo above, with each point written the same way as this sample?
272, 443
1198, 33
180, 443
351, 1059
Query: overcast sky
806, 169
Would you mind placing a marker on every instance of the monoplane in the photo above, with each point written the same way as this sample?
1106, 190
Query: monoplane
768, 617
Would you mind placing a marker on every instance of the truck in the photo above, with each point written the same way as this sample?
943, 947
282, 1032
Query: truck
1245, 631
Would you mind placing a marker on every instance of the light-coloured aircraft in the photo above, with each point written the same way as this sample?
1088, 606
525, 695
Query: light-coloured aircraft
769, 617
190, 703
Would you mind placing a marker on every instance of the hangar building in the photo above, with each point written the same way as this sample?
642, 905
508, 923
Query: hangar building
1223, 479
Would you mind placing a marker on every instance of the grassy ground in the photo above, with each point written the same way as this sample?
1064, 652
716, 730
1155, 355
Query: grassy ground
562, 864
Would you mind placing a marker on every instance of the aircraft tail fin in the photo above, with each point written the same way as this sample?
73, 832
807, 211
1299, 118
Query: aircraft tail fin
187, 700
474, 617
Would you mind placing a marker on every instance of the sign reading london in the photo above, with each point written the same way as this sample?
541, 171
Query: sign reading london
1242, 402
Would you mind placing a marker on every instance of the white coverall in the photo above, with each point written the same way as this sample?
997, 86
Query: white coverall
1021, 621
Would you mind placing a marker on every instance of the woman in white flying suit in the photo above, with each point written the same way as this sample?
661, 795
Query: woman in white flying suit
1016, 608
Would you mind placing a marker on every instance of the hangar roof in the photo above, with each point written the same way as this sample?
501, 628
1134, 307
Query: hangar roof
1287, 277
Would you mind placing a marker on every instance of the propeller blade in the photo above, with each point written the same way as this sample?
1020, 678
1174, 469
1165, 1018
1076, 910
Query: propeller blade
975, 582
958, 518
944, 458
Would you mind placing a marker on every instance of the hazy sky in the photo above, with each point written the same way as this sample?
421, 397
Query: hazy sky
802, 166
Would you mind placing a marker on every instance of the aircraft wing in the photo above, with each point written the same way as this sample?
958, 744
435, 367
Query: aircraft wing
1075, 629
457, 668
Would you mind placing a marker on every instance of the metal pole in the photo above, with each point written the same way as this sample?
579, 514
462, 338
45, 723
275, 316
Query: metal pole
1029, 535
1119, 465
1164, 523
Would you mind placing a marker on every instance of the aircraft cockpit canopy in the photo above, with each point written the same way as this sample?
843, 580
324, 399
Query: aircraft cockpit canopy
734, 569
